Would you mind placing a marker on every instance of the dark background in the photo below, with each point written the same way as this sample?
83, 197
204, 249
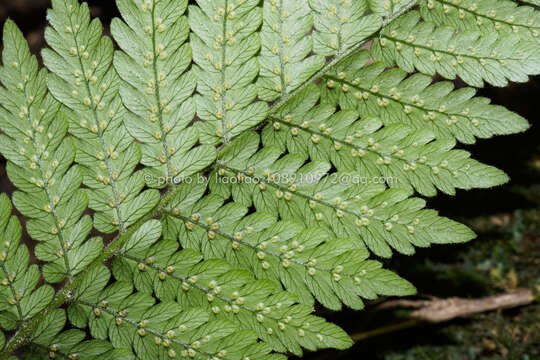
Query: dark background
505, 256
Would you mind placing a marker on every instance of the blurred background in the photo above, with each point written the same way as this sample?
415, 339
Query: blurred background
505, 256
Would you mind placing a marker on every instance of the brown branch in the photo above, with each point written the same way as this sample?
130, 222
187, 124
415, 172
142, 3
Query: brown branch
441, 310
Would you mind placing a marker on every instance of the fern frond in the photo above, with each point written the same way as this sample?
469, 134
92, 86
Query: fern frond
398, 153
133, 320
501, 16
48, 340
40, 157
340, 25
229, 264
20, 296
284, 184
159, 268
286, 47
84, 80
475, 57
394, 97
307, 261
157, 89
225, 42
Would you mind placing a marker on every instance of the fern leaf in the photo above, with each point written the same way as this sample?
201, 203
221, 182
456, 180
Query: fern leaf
393, 97
281, 184
472, 55
397, 154
49, 340
340, 25
487, 16
20, 297
133, 320
286, 46
157, 89
307, 261
159, 268
225, 42
84, 81
40, 157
